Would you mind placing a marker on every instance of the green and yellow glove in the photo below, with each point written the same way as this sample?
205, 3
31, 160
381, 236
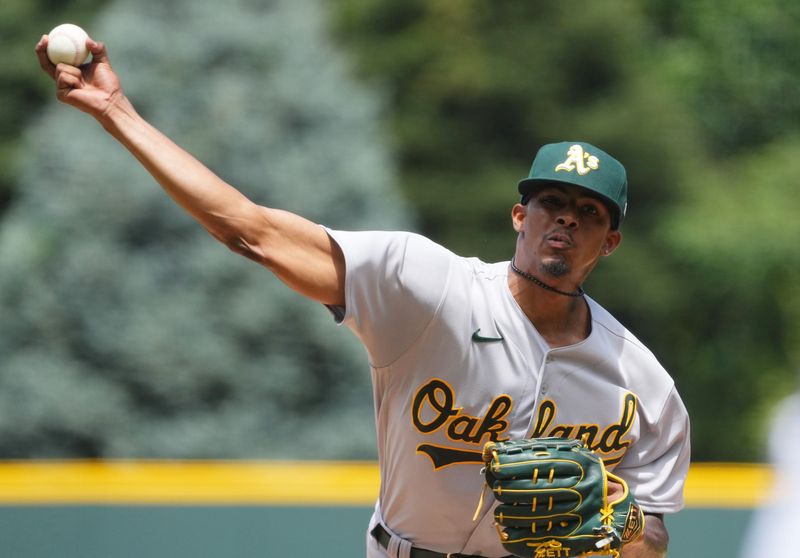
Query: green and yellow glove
553, 495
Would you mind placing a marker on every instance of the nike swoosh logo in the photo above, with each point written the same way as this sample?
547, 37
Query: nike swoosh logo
478, 338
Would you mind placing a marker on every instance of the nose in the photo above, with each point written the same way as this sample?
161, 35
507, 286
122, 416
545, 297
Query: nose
567, 219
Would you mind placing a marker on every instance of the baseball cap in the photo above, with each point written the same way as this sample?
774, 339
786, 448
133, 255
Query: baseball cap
581, 164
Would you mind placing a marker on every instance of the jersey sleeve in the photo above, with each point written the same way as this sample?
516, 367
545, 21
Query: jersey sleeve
655, 467
394, 285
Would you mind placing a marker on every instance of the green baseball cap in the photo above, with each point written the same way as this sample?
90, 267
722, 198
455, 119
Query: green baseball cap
584, 165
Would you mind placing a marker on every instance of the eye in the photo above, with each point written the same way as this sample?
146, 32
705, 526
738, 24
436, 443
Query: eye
550, 200
591, 209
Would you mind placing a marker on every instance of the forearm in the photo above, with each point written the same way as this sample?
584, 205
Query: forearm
652, 543
224, 211
271, 237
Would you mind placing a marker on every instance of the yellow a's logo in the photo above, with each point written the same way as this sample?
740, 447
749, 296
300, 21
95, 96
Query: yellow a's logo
575, 161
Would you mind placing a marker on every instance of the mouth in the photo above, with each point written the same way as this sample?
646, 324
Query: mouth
559, 240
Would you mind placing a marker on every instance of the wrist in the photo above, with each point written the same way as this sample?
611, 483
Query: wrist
652, 543
117, 110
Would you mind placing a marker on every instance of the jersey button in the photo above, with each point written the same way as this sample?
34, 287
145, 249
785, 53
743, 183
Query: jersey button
543, 390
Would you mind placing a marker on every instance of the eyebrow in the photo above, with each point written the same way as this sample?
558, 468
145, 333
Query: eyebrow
583, 193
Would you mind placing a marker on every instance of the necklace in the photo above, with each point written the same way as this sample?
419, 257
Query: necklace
544, 285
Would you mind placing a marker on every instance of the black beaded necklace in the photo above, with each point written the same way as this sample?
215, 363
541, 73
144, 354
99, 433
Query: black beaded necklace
542, 284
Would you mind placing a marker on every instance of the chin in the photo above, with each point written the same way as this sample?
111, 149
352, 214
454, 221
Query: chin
556, 267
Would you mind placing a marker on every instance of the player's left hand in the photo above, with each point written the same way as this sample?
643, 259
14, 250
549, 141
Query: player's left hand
557, 499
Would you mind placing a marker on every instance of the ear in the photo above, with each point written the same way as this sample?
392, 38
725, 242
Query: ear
613, 240
518, 214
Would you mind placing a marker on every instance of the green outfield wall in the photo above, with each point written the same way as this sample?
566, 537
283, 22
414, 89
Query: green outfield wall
258, 531
272, 509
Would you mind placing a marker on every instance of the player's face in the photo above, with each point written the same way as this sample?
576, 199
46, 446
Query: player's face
563, 232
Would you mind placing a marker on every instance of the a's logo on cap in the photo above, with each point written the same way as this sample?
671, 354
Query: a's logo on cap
575, 161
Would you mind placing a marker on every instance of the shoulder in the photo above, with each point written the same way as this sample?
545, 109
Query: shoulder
613, 332
392, 254
497, 271
643, 372
377, 243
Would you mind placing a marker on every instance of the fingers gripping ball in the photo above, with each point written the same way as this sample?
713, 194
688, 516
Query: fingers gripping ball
553, 497
67, 43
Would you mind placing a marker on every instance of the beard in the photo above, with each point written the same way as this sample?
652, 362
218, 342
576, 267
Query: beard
555, 268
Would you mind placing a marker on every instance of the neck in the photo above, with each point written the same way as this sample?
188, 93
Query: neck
538, 282
561, 318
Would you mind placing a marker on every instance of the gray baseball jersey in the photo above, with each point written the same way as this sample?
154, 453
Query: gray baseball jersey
456, 363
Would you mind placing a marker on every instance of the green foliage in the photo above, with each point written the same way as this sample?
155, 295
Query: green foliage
736, 235
735, 64
128, 331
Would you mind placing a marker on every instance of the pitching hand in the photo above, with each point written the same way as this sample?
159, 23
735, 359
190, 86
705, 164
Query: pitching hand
92, 87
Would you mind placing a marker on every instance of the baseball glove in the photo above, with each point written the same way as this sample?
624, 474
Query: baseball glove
553, 497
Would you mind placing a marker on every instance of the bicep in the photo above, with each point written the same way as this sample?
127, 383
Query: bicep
300, 253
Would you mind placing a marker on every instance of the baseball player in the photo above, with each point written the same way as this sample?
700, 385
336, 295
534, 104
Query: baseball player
461, 352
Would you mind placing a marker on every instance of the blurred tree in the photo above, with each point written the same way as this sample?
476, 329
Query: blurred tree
736, 238
731, 235
126, 330
734, 63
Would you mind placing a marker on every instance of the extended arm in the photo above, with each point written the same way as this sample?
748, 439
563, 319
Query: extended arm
298, 251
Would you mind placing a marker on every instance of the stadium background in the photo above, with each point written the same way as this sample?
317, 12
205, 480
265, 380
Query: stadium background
276, 508
127, 335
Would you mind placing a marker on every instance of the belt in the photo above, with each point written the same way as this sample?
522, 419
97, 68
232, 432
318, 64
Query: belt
384, 537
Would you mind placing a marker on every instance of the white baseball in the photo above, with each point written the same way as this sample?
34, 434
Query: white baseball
67, 43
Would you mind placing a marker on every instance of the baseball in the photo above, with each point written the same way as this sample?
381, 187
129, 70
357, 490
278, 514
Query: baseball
67, 43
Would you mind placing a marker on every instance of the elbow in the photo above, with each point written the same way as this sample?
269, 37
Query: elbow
245, 234
239, 245
249, 233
